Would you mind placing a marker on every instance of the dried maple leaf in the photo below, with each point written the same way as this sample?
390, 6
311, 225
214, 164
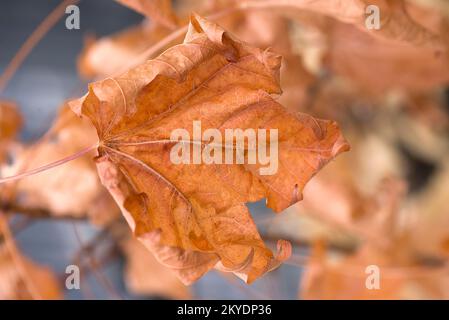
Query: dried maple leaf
193, 217
158, 10
144, 275
72, 189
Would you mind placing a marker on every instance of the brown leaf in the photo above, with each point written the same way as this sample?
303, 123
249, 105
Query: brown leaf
193, 217
158, 10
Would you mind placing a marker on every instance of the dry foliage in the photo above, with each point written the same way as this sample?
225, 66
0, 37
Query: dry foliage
227, 84
266, 64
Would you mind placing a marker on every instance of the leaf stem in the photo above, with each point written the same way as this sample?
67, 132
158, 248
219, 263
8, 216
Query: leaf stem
50, 165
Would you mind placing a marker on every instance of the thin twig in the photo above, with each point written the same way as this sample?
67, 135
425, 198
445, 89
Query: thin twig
50, 165
32, 41
93, 265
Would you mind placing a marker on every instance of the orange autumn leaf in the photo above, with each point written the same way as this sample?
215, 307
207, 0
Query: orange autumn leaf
193, 217
158, 10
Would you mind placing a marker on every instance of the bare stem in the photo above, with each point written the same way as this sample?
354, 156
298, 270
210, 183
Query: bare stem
50, 165
94, 267
32, 41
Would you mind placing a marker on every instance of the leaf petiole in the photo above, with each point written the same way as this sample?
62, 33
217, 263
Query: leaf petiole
50, 165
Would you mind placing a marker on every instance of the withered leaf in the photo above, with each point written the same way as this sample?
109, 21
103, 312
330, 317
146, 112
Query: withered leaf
193, 216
